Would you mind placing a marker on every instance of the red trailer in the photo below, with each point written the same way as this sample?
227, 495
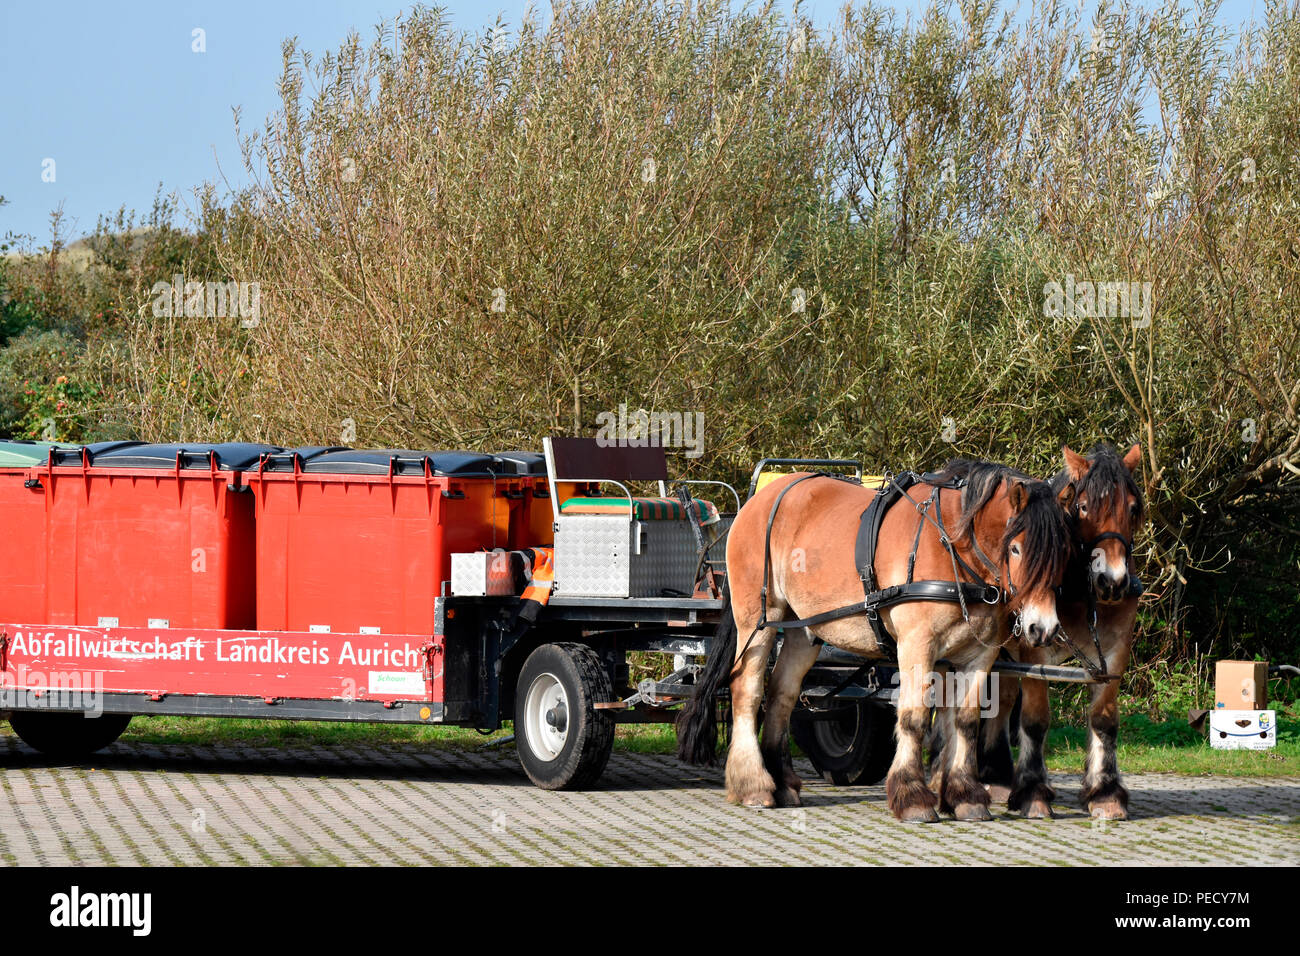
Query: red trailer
315, 584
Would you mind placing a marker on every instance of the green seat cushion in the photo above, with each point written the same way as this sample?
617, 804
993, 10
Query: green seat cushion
647, 509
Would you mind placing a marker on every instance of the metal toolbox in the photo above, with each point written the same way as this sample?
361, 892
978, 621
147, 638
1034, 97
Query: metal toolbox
610, 556
482, 574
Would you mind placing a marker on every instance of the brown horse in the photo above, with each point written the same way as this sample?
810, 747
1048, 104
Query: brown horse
1106, 513
993, 511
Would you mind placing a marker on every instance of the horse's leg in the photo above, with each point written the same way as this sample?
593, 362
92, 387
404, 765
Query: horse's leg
797, 655
909, 797
940, 731
938, 742
748, 782
996, 769
1103, 794
1030, 791
962, 790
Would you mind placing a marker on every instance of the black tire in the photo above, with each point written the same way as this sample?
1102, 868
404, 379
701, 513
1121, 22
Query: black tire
855, 748
570, 754
67, 735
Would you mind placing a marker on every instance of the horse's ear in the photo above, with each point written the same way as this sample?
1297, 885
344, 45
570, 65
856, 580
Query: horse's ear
1066, 496
1018, 496
1075, 464
1133, 458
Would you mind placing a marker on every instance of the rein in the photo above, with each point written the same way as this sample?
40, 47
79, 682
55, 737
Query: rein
1002, 596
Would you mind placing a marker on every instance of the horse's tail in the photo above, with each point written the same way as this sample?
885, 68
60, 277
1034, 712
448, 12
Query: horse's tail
697, 725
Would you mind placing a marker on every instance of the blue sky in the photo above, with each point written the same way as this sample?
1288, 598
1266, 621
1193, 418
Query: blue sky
115, 96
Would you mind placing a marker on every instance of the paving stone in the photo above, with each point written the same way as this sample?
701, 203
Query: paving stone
189, 805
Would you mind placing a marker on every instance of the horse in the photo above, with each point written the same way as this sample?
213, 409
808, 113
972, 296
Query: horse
793, 564
1104, 516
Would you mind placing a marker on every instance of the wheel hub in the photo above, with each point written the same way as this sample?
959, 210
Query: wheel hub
546, 717
558, 718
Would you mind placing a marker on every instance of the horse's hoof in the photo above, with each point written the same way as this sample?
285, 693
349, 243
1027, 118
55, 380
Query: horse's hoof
1108, 810
999, 792
972, 812
919, 815
788, 797
1039, 810
759, 801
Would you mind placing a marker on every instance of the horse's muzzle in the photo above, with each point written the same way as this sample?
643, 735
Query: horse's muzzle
1039, 636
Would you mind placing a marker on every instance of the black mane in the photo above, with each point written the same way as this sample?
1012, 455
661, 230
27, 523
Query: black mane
1047, 535
1108, 472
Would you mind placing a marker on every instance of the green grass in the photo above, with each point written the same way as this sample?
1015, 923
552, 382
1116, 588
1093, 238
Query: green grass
1146, 745
1172, 746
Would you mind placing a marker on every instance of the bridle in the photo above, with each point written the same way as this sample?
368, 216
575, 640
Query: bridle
1085, 548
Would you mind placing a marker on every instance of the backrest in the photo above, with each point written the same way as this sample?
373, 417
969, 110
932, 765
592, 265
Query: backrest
587, 458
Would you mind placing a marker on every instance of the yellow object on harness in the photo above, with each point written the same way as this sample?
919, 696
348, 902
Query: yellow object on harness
874, 482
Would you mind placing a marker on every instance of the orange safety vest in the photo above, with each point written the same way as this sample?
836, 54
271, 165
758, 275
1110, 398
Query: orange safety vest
543, 576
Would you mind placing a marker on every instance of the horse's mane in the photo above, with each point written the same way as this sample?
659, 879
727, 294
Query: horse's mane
1107, 473
1047, 535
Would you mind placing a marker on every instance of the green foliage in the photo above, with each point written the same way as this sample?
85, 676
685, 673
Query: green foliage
44, 393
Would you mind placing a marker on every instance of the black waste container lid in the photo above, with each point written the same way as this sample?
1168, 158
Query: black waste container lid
520, 462
403, 462
72, 456
231, 456
283, 460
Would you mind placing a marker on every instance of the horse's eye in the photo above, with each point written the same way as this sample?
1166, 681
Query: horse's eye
1083, 507
1015, 549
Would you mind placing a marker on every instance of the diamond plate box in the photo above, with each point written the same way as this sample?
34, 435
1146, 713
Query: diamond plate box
610, 556
482, 574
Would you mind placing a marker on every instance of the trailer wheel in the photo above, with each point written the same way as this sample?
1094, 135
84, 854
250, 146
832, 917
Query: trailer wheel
563, 741
854, 748
67, 735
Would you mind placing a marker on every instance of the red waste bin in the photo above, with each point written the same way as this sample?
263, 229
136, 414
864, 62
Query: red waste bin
151, 535
360, 541
22, 519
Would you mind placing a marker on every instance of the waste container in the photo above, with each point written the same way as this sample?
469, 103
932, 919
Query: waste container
532, 522
360, 541
22, 520
157, 535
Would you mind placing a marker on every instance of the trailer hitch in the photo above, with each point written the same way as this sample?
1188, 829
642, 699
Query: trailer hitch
677, 686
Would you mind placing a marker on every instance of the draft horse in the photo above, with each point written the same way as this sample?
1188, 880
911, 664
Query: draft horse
797, 561
1099, 599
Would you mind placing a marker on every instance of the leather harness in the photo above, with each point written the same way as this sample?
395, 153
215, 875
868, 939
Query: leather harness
874, 597
955, 591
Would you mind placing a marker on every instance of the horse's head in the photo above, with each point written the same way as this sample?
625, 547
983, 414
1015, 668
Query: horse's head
1035, 547
1105, 514
1022, 521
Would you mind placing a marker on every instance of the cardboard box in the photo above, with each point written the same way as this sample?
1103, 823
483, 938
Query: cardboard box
1243, 729
1241, 685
